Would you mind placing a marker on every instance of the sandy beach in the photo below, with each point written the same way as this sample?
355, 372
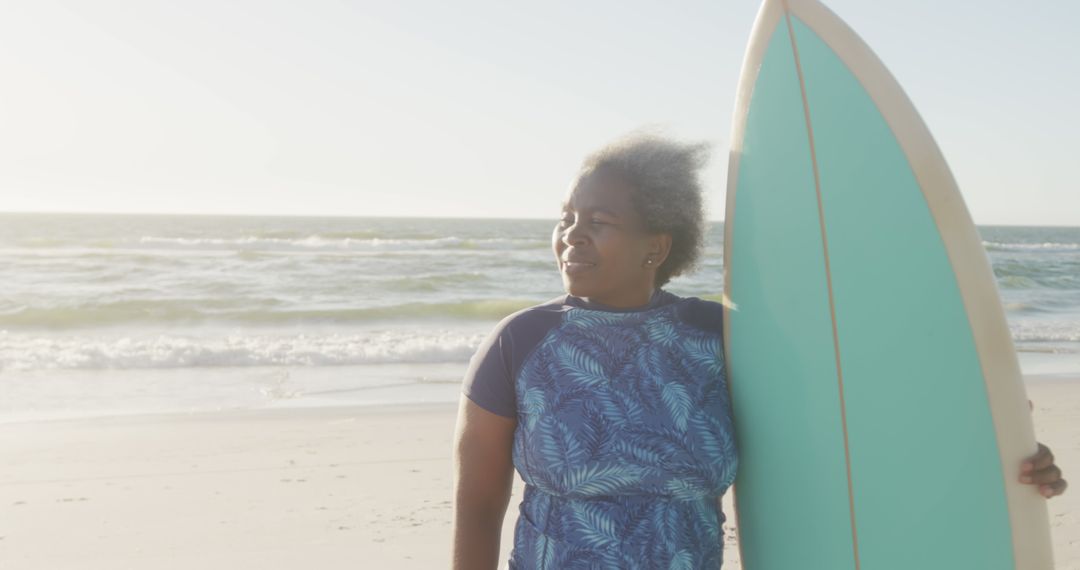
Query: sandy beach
333, 487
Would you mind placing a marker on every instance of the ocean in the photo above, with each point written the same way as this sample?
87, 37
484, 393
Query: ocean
148, 313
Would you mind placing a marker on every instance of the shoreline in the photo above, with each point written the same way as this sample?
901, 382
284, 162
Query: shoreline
311, 413
71, 395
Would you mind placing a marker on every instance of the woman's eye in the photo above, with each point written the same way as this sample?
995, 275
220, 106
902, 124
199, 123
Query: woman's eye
569, 221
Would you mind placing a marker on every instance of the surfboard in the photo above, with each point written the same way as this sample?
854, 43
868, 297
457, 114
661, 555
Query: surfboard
880, 412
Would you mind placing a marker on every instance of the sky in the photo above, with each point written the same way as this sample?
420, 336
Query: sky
478, 108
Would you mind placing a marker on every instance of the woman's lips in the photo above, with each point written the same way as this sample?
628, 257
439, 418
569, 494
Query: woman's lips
576, 267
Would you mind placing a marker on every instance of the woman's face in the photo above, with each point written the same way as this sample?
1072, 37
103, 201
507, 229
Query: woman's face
601, 247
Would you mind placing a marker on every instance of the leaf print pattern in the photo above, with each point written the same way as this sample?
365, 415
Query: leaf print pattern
595, 528
534, 402
579, 367
624, 441
683, 560
595, 434
678, 402
560, 446
592, 480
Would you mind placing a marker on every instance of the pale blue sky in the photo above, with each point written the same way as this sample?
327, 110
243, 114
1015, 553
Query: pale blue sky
476, 108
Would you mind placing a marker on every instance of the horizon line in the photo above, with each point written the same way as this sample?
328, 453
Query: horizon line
380, 216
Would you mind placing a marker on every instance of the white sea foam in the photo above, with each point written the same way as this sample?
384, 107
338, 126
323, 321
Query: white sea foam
20, 351
318, 242
1029, 331
1045, 247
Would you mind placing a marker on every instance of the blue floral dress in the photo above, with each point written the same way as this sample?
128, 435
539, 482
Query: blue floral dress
624, 436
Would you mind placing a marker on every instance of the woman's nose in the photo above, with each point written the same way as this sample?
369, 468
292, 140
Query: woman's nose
574, 235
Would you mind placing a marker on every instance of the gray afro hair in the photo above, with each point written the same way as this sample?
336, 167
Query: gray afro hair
666, 191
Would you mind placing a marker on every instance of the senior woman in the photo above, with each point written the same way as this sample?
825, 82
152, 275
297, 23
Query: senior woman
598, 397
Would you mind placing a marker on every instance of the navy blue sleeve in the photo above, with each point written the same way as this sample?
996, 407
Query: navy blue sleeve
490, 379
702, 314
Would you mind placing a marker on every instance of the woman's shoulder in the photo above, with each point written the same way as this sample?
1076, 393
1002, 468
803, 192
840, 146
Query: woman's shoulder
527, 317
701, 313
527, 326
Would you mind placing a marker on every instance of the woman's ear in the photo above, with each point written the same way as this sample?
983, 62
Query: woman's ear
659, 248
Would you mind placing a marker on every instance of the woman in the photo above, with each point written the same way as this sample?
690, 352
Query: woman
598, 396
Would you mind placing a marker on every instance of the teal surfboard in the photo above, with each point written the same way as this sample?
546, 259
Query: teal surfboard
880, 411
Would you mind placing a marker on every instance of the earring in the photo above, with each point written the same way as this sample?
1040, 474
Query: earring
648, 261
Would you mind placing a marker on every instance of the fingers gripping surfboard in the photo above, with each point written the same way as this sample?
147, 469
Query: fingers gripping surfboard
879, 406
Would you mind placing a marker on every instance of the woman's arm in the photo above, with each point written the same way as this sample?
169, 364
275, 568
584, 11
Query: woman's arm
483, 476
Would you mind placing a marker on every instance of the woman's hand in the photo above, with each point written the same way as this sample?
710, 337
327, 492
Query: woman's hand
1039, 469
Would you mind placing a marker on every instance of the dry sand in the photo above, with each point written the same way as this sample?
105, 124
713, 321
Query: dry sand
301, 488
